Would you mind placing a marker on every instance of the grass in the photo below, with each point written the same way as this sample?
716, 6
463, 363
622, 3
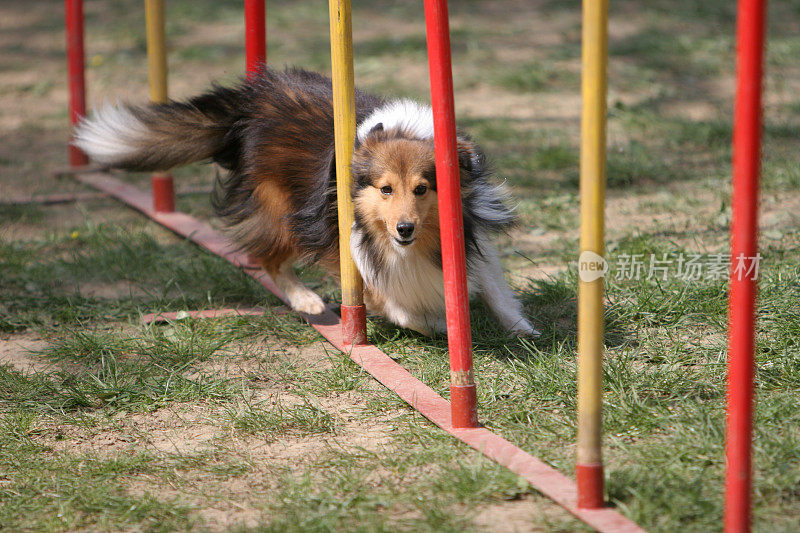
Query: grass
662, 393
358, 488
305, 418
42, 280
56, 491
251, 424
533, 77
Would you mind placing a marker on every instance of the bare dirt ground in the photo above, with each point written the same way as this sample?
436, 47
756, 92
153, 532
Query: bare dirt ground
191, 430
20, 351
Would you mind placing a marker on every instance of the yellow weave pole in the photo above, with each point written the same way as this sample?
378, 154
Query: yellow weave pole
162, 185
344, 119
589, 465
156, 49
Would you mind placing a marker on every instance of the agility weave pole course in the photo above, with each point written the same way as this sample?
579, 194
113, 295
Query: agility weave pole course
612, 466
459, 417
348, 334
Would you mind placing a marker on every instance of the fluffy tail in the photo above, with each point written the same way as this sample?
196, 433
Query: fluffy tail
162, 136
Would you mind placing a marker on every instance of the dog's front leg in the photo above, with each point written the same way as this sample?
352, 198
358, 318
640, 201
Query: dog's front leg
300, 297
498, 295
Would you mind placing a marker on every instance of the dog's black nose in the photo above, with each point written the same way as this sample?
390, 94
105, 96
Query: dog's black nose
405, 229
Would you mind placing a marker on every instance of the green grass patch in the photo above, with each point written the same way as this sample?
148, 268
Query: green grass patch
57, 491
55, 280
268, 421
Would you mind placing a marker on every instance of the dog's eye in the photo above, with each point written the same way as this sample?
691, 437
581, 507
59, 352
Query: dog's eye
420, 190
386, 189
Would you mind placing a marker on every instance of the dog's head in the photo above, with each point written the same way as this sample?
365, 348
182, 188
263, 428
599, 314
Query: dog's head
394, 179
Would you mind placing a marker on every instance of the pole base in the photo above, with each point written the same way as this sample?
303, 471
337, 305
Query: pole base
464, 406
76, 157
590, 486
354, 324
163, 193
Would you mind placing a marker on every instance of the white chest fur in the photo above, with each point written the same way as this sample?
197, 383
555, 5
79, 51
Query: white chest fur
410, 285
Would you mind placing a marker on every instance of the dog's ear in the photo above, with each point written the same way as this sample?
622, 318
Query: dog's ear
361, 168
330, 157
377, 128
470, 156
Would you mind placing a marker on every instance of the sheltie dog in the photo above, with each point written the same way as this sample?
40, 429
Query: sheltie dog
273, 136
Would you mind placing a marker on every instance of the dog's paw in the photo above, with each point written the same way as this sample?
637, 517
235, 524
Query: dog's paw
523, 328
306, 301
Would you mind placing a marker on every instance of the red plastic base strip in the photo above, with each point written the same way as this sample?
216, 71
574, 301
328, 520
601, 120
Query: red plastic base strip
541, 476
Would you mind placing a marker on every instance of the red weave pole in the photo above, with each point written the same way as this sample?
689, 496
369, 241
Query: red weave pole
459, 340
744, 249
255, 35
255, 44
75, 71
255, 39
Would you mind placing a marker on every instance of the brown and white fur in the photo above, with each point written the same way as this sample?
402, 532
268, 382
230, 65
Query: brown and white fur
273, 136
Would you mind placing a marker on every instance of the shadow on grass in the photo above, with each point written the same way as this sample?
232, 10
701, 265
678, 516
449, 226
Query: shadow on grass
551, 304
